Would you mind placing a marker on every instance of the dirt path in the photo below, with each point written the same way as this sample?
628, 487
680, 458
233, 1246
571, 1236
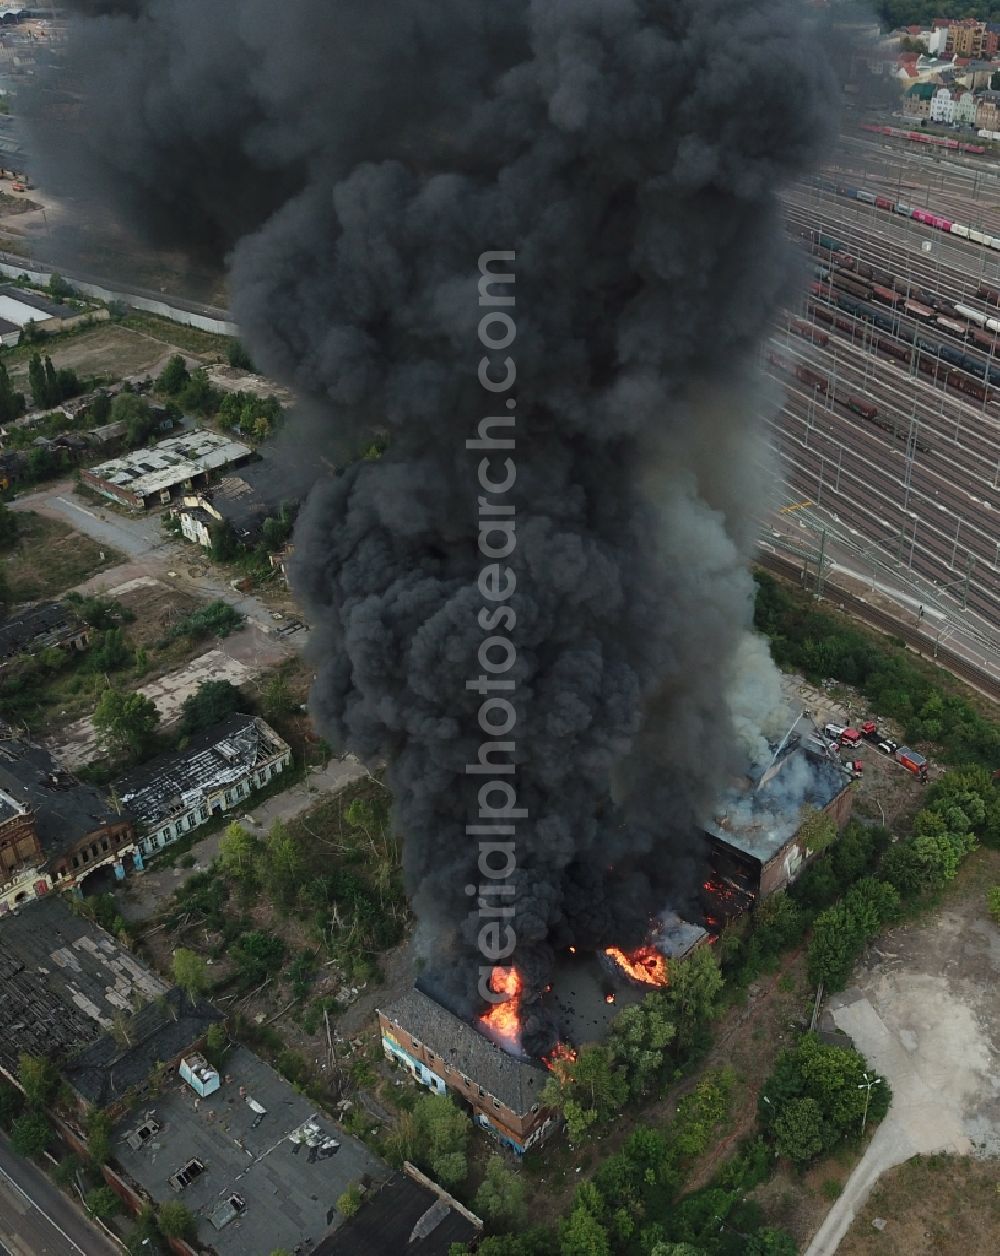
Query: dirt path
925, 1013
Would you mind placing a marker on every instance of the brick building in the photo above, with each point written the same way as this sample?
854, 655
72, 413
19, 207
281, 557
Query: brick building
54, 830
754, 840
445, 1054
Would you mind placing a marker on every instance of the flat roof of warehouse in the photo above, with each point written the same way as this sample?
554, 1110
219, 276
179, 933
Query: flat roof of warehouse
269, 1146
36, 301
171, 461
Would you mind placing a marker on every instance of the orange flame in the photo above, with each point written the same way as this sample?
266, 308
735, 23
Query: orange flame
644, 964
559, 1055
503, 1020
609, 998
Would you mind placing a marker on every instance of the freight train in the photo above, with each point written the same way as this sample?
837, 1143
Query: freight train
903, 317
857, 405
939, 221
921, 137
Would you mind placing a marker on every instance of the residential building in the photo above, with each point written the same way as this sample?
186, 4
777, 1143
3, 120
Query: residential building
442, 1052
150, 477
47, 625
966, 38
988, 111
218, 770
409, 1215
965, 108
54, 830
917, 101
942, 106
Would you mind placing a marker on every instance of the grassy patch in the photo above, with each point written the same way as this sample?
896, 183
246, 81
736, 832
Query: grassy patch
50, 557
945, 1205
189, 338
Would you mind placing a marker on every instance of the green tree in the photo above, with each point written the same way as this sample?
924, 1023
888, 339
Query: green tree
640, 1039
442, 1136
501, 1196
173, 377
993, 902
835, 945
350, 1202
588, 1091
103, 1203
125, 722
37, 382
190, 973
581, 1234
110, 651
276, 698
694, 993
210, 703
135, 413
217, 1045
11, 1104
39, 1079
99, 1136
224, 544
59, 288
238, 356
834, 1079
239, 850
286, 867
798, 1130
198, 394
31, 1134
11, 402
175, 1221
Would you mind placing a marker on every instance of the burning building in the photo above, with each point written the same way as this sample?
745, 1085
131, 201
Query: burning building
439, 1050
575, 165
754, 841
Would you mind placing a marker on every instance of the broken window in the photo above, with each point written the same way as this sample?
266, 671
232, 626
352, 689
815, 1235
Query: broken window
186, 1175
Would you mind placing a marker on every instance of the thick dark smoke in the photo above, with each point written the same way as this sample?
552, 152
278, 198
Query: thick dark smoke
358, 158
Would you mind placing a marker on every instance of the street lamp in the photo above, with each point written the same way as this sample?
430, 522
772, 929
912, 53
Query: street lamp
867, 1086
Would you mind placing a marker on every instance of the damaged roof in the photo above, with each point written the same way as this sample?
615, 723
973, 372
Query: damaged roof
214, 758
36, 627
760, 819
408, 1216
516, 1083
171, 461
65, 809
62, 982
160, 1030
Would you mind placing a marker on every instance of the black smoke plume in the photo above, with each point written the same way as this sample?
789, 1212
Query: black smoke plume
357, 159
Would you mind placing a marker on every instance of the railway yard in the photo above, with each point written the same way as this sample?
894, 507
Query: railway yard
891, 366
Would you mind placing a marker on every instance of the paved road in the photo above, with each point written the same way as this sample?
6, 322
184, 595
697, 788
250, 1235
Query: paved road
924, 1012
150, 552
36, 1219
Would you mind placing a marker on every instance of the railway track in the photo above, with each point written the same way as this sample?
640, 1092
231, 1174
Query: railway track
858, 608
